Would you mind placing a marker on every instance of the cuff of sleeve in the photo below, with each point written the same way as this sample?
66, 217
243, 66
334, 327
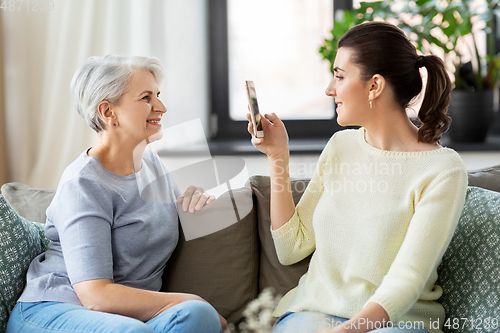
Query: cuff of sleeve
285, 230
387, 306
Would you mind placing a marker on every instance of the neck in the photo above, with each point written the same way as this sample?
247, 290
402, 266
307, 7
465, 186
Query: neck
117, 156
392, 130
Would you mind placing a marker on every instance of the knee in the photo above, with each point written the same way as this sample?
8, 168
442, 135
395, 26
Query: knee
199, 316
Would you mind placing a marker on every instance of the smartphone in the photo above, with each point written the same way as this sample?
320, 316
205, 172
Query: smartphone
254, 109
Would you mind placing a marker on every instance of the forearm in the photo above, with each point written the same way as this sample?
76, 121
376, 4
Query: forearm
105, 296
282, 205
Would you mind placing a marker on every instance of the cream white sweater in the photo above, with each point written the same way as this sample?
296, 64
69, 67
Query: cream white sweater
379, 223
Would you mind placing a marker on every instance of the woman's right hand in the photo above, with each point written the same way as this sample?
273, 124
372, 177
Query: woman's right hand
275, 140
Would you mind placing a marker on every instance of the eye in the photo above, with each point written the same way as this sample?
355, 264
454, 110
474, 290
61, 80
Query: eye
338, 77
146, 98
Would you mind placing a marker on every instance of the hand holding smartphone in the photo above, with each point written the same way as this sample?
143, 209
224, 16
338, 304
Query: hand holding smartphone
254, 109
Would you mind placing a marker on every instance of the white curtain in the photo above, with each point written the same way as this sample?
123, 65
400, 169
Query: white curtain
43, 49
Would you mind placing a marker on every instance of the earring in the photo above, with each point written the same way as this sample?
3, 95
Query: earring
371, 105
114, 124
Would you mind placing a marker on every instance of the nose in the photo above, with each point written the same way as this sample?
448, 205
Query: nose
158, 106
330, 90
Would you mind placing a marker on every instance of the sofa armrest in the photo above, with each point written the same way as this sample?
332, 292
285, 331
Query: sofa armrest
487, 178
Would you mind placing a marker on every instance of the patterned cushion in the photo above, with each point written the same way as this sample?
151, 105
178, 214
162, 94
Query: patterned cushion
20, 241
470, 271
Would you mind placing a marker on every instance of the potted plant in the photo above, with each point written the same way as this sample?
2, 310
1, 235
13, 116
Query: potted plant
450, 29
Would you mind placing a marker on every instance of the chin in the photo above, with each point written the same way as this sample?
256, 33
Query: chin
343, 122
155, 137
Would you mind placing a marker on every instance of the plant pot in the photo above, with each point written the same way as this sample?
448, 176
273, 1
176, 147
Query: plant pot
471, 115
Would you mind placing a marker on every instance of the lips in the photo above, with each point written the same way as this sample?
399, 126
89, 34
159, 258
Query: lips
154, 121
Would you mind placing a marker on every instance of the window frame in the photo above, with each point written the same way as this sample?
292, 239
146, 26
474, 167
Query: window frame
221, 124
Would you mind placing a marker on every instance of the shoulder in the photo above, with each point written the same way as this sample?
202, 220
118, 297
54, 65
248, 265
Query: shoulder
84, 167
346, 135
83, 191
342, 139
446, 162
83, 177
77, 197
444, 170
452, 158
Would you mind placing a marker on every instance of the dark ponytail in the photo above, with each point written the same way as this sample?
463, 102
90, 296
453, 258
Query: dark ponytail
382, 48
432, 114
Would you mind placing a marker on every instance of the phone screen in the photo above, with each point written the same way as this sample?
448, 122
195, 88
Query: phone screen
254, 108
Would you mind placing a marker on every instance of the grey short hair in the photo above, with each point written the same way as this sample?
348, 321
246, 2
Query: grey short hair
107, 78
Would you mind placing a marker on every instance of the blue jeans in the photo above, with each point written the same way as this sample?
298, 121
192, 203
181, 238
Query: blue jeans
45, 317
310, 322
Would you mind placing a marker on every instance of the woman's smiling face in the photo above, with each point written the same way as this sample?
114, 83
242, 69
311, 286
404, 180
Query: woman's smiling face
348, 90
140, 110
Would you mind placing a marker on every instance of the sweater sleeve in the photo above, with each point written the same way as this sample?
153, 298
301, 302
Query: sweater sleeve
295, 240
436, 213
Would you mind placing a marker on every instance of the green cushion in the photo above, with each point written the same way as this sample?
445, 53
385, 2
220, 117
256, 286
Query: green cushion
20, 242
470, 271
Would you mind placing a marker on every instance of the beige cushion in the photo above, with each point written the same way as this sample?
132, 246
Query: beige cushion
272, 273
221, 267
488, 178
29, 202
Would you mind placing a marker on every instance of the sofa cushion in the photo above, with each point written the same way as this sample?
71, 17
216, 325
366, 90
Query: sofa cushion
272, 272
20, 242
221, 267
29, 202
488, 178
470, 271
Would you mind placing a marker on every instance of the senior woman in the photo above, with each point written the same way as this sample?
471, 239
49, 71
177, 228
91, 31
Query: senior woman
109, 242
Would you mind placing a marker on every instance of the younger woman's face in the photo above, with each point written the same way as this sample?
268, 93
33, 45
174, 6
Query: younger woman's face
349, 91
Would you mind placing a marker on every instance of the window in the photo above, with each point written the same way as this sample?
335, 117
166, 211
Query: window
276, 45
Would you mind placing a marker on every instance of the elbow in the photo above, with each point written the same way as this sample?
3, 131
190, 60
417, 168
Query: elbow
93, 294
94, 303
93, 306
292, 252
287, 260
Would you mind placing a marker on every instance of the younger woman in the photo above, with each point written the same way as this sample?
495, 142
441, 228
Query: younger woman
384, 200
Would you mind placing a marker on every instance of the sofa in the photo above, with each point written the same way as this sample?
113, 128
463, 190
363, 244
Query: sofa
230, 267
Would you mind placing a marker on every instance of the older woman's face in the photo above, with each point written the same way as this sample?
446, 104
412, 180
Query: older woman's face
140, 109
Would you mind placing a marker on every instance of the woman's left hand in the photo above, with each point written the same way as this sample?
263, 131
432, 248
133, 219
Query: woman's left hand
194, 199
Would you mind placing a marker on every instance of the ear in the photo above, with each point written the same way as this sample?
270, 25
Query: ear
376, 86
106, 112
